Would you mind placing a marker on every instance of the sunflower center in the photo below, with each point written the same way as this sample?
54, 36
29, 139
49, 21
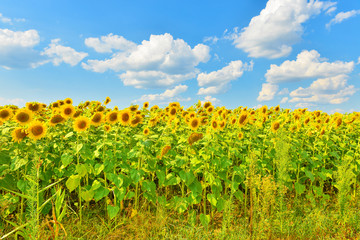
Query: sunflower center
242, 119
173, 111
23, 117
82, 125
37, 130
214, 124
276, 126
125, 117
56, 119
194, 123
67, 111
113, 117
4, 114
96, 118
20, 134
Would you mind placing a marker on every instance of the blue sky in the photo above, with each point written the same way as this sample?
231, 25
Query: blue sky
295, 53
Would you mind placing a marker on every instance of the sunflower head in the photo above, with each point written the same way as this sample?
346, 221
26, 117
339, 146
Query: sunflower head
18, 134
97, 119
134, 108
68, 101
112, 117
137, 119
5, 114
207, 104
37, 130
164, 151
241, 135
56, 119
275, 126
277, 108
243, 119
154, 108
194, 137
194, 123
146, 131
125, 117
107, 101
203, 121
100, 109
34, 106
172, 111
210, 109
107, 128
214, 124
23, 116
67, 111
81, 124
146, 105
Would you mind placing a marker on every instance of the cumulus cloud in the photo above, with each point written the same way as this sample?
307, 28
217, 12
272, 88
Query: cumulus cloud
283, 91
59, 54
341, 16
308, 64
331, 10
12, 101
16, 48
218, 81
279, 25
211, 40
267, 92
329, 88
160, 55
106, 44
213, 100
284, 100
4, 19
168, 96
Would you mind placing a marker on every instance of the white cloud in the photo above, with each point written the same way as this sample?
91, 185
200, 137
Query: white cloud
16, 48
218, 81
267, 92
213, 100
12, 101
358, 61
153, 79
279, 25
331, 10
58, 54
304, 105
168, 96
161, 55
308, 64
4, 19
284, 100
106, 44
283, 91
341, 16
337, 110
211, 40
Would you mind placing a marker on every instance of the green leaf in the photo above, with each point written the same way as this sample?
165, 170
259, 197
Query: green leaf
300, 188
96, 184
23, 185
149, 187
73, 182
309, 175
87, 195
68, 135
79, 147
112, 211
116, 179
161, 176
81, 170
187, 177
120, 194
66, 159
212, 199
100, 193
220, 204
98, 168
196, 187
17, 162
204, 219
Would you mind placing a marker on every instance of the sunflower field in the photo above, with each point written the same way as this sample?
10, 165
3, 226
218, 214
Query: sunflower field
273, 171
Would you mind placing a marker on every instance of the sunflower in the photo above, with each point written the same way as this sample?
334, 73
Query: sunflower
214, 124
210, 109
207, 104
77, 113
81, 124
107, 101
194, 137
5, 114
134, 108
338, 122
194, 123
243, 119
107, 128
277, 108
97, 119
34, 106
112, 117
37, 130
172, 111
192, 115
116, 108
55, 105
222, 124
18, 134
68, 101
146, 131
275, 126
125, 117
1, 123
67, 111
263, 109
203, 121
154, 108
56, 119
23, 116
135, 120
233, 120
146, 105
164, 151
100, 109
241, 135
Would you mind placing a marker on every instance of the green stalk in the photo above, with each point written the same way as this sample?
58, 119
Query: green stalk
78, 163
